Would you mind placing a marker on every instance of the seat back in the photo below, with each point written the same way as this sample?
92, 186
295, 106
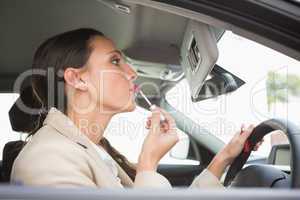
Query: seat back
10, 152
22, 122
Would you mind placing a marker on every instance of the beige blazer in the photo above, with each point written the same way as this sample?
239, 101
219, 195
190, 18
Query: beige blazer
59, 155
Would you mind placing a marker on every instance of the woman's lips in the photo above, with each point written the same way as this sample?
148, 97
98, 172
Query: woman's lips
135, 89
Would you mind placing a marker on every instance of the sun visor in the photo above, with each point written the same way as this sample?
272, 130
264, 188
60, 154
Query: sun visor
199, 54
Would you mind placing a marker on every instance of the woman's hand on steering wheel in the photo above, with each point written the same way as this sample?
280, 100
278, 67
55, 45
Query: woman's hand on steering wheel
226, 156
237, 143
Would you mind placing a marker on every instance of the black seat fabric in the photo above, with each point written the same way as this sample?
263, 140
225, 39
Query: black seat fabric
10, 152
20, 120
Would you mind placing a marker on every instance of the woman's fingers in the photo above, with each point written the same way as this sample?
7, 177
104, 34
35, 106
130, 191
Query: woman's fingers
170, 121
148, 123
155, 121
167, 115
166, 125
246, 132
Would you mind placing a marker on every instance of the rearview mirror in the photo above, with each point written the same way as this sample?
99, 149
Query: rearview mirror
221, 82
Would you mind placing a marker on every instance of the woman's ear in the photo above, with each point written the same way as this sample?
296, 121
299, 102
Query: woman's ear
72, 77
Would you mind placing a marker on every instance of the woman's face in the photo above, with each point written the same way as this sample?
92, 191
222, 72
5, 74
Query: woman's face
110, 78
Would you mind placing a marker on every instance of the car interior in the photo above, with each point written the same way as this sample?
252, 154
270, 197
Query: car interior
153, 50
163, 44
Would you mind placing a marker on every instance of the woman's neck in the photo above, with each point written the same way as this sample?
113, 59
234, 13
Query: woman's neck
91, 124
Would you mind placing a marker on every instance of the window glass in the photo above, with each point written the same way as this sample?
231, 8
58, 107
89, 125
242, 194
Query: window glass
7, 134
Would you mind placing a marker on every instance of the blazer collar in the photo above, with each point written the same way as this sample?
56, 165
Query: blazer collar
65, 126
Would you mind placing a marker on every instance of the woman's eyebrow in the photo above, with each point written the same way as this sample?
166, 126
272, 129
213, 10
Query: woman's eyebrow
116, 51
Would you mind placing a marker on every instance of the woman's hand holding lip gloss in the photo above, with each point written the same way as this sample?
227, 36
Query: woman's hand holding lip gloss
161, 138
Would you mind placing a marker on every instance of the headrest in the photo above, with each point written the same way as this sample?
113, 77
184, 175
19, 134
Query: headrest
20, 120
10, 151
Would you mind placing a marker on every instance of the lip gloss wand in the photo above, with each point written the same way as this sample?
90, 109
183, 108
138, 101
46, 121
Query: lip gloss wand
151, 106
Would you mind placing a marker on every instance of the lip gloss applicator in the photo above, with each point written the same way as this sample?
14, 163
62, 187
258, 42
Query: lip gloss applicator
151, 106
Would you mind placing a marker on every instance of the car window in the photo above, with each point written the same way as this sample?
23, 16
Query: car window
7, 134
272, 89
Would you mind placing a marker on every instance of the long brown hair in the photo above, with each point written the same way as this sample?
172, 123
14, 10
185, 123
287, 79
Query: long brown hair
71, 48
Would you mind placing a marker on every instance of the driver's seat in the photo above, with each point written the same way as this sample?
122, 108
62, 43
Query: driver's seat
10, 152
20, 122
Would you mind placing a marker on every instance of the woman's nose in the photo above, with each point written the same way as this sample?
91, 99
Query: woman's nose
132, 75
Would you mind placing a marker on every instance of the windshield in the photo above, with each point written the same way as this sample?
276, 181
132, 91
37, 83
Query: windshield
272, 89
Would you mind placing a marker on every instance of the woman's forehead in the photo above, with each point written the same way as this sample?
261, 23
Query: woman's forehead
103, 45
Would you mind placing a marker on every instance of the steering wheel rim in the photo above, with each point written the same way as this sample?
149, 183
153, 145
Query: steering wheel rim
264, 128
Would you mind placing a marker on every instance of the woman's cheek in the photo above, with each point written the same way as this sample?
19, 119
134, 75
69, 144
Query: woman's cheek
116, 91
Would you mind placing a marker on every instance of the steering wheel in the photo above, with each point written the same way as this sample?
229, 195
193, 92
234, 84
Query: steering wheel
262, 175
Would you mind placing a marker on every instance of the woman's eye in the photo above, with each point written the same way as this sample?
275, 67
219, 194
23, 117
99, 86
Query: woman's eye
115, 61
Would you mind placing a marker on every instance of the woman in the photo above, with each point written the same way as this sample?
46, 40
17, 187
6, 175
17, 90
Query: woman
91, 83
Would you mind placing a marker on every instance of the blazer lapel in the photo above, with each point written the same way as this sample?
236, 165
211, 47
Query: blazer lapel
66, 127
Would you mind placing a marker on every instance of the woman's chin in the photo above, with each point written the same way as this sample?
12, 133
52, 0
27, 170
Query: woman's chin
131, 107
